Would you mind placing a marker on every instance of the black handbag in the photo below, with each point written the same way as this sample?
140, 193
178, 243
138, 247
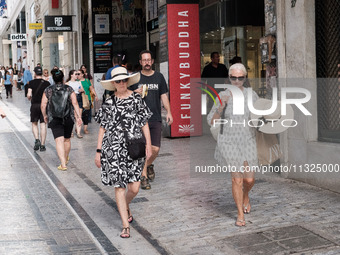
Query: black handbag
135, 147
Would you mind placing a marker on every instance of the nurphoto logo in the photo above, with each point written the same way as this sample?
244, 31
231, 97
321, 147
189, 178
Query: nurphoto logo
239, 102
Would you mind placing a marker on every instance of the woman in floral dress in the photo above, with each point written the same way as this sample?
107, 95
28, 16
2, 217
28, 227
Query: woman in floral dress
124, 110
236, 147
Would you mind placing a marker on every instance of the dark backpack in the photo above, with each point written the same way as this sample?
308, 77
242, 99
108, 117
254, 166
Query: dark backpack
60, 105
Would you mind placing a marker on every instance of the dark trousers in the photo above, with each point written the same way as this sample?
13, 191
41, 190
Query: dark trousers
8, 90
85, 116
26, 90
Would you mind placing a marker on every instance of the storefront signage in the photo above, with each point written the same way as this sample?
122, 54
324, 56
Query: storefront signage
152, 24
102, 55
35, 26
58, 23
102, 35
102, 23
18, 37
184, 65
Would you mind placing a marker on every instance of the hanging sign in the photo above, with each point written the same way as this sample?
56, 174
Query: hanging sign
61, 23
18, 37
35, 26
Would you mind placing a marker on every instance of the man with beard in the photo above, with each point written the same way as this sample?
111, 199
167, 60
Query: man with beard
157, 93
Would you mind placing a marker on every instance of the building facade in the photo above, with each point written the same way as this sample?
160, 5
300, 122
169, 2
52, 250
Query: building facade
308, 50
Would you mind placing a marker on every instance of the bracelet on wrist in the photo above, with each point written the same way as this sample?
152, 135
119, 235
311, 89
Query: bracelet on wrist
99, 150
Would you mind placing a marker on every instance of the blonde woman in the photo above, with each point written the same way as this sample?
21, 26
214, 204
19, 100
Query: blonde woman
236, 147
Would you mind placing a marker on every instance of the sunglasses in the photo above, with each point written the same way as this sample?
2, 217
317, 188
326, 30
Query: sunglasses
124, 80
77, 73
234, 78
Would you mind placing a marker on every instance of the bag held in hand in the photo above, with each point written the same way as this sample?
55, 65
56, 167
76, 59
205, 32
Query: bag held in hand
268, 148
86, 101
135, 147
217, 128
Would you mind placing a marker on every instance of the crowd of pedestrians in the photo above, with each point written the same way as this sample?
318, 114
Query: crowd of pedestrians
130, 116
131, 110
130, 123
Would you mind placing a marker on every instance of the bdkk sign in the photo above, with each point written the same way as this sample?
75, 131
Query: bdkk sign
18, 37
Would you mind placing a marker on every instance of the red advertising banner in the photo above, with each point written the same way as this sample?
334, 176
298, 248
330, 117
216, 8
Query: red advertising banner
55, 4
184, 64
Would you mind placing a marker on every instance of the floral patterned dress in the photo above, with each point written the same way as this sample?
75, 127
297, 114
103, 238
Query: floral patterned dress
117, 167
238, 141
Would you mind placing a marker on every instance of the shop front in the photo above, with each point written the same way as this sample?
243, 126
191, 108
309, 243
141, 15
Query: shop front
233, 28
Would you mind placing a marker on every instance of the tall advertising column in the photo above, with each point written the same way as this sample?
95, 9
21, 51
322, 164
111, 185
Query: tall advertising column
101, 11
180, 59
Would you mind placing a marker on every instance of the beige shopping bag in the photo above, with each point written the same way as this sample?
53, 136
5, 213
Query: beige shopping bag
268, 148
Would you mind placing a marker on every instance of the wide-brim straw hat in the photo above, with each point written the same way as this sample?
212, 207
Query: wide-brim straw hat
120, 73
277, 122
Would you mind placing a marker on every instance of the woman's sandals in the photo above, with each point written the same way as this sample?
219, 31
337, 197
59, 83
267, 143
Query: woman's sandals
240, 223
130, 218
125, 233
246, 208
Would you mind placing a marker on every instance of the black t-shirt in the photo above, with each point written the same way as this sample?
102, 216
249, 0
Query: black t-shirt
156, 87
37, 94
211, 72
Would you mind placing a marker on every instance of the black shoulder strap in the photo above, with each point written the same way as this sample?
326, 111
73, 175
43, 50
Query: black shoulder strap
35, 92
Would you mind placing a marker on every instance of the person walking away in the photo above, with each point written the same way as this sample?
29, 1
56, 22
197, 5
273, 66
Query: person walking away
124, 115
8, 83
27, 78
236, 146
35, 92
61, 113
157, 93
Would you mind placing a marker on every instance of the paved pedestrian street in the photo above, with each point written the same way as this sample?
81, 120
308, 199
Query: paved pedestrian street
47, 211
